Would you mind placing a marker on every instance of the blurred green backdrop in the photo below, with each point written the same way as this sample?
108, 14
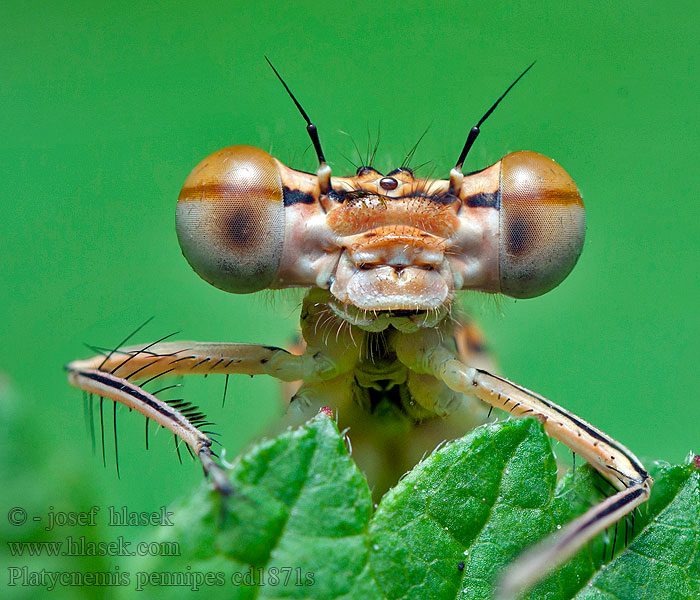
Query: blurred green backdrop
106, 109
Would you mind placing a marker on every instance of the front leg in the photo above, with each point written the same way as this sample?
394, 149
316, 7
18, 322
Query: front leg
110, 376
207, 358
615, 462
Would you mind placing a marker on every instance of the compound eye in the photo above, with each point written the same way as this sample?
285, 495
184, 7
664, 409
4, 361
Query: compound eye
230, 219
542, 224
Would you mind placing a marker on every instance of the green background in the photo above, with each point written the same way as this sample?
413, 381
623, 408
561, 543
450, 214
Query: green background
106, 109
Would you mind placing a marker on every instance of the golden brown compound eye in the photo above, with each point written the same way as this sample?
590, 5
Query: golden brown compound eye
542, 224
230, 219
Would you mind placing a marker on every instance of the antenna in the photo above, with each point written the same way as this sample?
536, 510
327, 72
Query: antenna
324, 171
456, 174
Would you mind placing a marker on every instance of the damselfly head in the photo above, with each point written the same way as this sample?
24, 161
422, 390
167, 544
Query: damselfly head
383, 245
247, 222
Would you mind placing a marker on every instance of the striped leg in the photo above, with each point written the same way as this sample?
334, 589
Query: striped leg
615, 462
111, 376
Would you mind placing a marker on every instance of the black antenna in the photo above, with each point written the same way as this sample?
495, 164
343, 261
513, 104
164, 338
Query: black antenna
474, 132
310, 128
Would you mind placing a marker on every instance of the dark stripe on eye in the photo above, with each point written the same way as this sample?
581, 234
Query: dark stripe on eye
296, 197
485, 200
226, 192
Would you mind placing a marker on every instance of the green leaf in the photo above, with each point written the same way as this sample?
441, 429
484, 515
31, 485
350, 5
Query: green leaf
302, 511
663, 562
299, 515
480, 500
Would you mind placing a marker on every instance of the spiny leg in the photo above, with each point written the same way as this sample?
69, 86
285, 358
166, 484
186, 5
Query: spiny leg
615, 462
202, 358
109, 375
